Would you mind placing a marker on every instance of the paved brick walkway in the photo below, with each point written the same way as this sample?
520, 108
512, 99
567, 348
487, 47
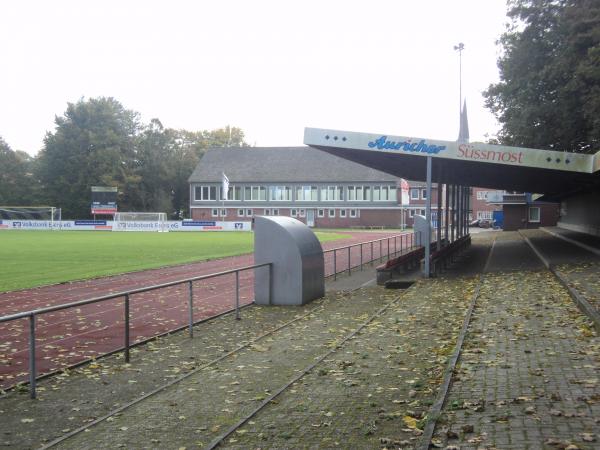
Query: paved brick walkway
528, 377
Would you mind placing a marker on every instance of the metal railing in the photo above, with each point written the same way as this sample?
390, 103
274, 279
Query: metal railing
337, 260
340, 259
31, 315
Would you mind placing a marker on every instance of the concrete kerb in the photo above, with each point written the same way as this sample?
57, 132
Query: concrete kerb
436, 408
572, 241
579, 300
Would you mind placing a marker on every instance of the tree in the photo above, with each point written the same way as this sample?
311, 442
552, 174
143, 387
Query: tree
93, 144
549, 90
167, 157
17, 184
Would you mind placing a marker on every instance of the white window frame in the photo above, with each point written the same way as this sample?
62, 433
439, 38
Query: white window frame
302, 213
424, 194
267, 211
414, 191
280, 194
332, 193
215, 212
331, 213
275, 212
312, 190
293, 212
320, 213
210, 190
411, 213
259, 190
231, 197
223, 212
240, 212
485, 215
482, 195
342, 213
353, 213
365, 191
249, 213
539, 214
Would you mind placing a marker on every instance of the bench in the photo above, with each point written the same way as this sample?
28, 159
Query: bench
403, 262
439, 259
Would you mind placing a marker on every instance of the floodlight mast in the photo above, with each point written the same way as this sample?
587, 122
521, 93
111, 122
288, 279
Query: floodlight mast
460, 47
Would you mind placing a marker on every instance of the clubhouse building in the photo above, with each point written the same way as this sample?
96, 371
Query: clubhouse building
314, 187
326, 191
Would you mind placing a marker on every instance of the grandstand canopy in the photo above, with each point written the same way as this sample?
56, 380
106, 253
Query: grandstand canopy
469, 164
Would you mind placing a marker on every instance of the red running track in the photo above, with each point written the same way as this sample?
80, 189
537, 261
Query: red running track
69, 336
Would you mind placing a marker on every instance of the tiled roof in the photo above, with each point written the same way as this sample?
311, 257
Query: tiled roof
281, 164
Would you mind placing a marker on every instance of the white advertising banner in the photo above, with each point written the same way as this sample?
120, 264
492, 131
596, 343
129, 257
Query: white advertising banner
478, 152
107, 225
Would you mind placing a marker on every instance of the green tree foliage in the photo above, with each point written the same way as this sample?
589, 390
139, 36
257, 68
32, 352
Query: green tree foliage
166, 159
93, 145
17, 184
549, 90
97, 142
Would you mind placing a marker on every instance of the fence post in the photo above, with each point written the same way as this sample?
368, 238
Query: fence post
237, 294
349, 270
381, 249
127, 328
191, 308
372, 257
32, 368
388, 242
270, 283
361, 257
334, 264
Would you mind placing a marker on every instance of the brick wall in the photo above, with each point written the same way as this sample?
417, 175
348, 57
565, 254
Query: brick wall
517, 216
365, 217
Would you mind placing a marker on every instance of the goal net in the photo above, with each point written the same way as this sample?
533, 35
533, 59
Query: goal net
48, 215
140, 221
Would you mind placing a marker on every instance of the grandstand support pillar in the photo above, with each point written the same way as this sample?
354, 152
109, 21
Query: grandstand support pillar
427, 271
459, 210
468, 209
446, 215
452, 210
439, 216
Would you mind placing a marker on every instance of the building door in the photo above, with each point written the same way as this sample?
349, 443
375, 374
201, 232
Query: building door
498, 219
310, 217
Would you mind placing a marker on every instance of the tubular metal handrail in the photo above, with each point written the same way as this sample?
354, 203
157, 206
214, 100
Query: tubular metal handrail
31, 315
408, 239
405, 238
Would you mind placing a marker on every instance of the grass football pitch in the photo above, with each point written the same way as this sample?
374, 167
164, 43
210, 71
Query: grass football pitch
37, 258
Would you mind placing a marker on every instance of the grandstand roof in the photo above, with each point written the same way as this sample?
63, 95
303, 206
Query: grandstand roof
282, 164
471, 164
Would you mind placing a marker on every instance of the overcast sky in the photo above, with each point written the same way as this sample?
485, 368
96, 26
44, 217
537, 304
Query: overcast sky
268, 67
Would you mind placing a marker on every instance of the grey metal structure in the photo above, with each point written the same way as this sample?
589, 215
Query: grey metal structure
421, 229
297, 263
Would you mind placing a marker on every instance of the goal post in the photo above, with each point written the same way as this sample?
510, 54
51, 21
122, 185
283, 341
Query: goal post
50, 214
140, 221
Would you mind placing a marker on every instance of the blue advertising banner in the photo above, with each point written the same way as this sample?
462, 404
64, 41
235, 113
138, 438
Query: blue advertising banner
192, 223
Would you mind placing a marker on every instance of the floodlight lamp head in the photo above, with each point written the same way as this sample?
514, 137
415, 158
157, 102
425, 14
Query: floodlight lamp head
459, 47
